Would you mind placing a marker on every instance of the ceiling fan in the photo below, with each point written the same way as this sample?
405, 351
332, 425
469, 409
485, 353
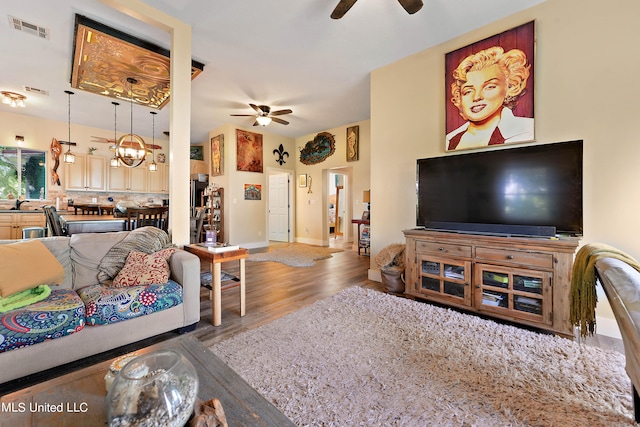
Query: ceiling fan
264, 115
411, 6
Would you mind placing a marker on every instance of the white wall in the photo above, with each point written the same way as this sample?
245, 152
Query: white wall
586, 65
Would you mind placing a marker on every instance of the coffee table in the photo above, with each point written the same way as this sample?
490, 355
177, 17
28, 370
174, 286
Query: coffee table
77, 398
215, 259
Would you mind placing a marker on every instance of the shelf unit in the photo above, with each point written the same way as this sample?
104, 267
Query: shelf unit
215, 212
519, 279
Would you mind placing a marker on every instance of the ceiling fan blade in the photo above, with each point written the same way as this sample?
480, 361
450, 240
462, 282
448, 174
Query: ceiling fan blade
243, 115
101, 139
411, 6
281, 112
342, 8
256, 123
277, 120
255, 107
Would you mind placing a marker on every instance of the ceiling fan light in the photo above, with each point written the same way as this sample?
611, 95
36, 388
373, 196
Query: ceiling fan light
263, 120
13, 99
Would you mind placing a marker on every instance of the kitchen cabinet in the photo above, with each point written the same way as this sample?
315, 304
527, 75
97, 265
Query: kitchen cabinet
198, 167
158, 181
124, 179
11, 224
88, 173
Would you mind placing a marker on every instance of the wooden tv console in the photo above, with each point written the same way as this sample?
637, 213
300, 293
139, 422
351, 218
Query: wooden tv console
526, 280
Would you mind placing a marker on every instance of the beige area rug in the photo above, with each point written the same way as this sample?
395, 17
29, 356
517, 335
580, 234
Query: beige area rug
364, 358
295, 255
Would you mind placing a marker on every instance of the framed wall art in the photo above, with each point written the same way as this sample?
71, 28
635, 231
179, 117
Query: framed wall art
249, 151
490, 91
353, 143
195, 152
253, 192
302, 180
217, 155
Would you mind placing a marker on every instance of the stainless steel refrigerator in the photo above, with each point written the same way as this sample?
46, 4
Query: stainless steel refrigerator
197, 191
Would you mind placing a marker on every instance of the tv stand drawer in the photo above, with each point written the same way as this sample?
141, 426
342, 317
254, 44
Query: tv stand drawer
440, 248
510, 256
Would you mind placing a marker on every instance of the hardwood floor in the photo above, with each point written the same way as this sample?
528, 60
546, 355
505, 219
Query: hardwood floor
274, 290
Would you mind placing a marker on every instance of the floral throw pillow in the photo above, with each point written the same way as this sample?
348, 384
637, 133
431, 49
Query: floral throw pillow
144, 269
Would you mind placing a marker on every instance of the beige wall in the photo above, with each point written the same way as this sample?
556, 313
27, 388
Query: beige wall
246, 220
586, 68
311, 207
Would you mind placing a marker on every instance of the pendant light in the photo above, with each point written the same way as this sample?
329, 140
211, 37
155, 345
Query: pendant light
115, 163
131, 149
153, 166
69, 157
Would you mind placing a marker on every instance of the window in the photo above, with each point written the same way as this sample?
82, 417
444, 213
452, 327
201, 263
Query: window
23, 171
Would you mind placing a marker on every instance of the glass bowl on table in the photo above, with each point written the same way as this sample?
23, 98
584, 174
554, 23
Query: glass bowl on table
158, 388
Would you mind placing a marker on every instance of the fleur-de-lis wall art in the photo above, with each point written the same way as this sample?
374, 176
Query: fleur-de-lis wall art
280, 153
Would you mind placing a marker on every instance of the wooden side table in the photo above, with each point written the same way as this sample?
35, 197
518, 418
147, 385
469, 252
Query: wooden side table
215, 259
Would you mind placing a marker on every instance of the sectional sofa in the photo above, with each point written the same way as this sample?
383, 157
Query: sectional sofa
85, 315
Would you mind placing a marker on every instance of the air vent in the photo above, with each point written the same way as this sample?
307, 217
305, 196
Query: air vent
26, 27
36, 90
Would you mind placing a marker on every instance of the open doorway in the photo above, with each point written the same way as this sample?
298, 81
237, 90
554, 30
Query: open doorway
338, 207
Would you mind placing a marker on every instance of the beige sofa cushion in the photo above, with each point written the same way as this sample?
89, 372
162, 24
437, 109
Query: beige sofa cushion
27, 264
59, 247
86, 255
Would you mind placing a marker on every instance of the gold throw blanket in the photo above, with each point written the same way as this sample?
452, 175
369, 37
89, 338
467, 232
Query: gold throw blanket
583, 283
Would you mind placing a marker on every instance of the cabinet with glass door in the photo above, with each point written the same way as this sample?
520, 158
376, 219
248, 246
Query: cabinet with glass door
514, 292
444, 279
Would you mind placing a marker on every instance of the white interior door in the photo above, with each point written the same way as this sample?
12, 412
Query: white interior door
279, 207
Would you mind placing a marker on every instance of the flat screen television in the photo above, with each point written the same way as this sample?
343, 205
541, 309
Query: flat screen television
527, 191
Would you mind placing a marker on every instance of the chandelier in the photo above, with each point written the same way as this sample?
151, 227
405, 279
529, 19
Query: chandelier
131, 149
13, 99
